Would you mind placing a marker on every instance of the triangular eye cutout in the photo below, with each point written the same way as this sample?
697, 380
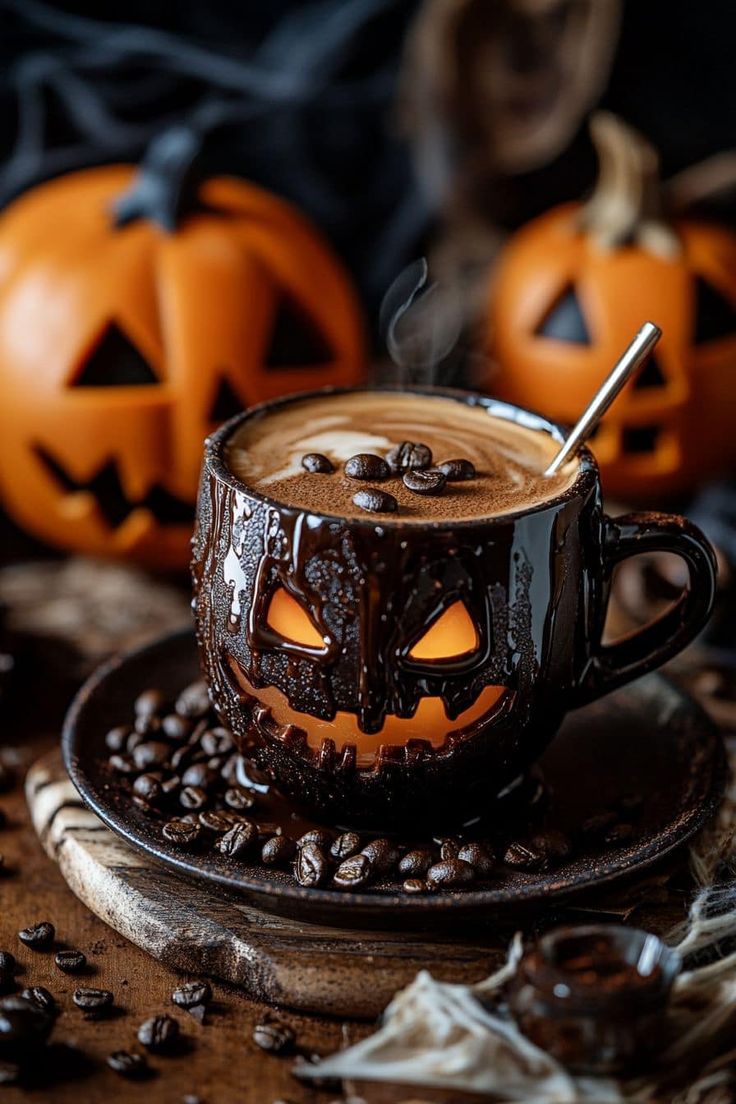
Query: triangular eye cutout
714, 315
226, 402
287, 618
565, 320
453, 634
114, 362
651, 376
295, 340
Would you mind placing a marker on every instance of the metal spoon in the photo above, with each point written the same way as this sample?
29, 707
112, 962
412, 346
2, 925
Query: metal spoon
620, 374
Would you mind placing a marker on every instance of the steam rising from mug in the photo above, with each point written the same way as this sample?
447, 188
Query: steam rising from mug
421, 323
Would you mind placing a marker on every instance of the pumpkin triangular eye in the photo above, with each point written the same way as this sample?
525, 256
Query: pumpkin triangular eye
226, 403
714, 315
451, 635
651, 375
114, 362
295, 340
287, 618
565, 321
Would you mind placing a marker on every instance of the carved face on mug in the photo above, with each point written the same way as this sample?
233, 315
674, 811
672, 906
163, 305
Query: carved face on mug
349, 640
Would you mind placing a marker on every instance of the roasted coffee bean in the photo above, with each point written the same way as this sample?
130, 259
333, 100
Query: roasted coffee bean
10, 1073
151, 753
278, 850
181, 831
450, 872
416, 863
619, 833
317, 463
93, 1001
426, 482
148, 787
41, 997
239, 800
383, 854
148, 703
375, 501
554, 845
310, 868
176, 727
323, 837
181, 758
194, 700
217, 741
71, 962
38, 937
193, 797
457, 471
522, 855
274, 1036
24, 1026
346, 844
409, 457
479, 856
145, 727
354, 872
414, 885
133, 741
449, 848
121, 764
170, 784
218, 820
132, 1066
116, 738
237, 840
199, 774
368, 467
159, 1033
191, 994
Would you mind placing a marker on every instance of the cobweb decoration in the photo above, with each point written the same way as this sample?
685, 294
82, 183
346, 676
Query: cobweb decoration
462, 1038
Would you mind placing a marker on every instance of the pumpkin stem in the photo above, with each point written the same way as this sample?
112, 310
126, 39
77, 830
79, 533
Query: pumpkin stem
164, 189
626, 205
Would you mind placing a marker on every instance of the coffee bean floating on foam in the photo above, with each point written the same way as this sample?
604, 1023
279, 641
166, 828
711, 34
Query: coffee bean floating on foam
367, 466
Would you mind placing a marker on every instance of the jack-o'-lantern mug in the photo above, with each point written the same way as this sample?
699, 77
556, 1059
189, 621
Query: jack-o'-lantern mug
395, 607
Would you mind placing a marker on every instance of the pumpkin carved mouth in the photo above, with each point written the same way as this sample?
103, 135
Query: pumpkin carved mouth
428, 731
107, 489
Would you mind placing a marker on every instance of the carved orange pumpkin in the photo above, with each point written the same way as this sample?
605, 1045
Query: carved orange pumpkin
130, 327
571, 290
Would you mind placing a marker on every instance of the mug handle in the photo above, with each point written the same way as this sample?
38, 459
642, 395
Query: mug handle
615, 664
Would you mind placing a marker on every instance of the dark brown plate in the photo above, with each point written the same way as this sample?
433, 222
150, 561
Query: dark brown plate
649, 737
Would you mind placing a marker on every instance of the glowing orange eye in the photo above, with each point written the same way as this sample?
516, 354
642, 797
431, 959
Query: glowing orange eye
453, 634
287, 618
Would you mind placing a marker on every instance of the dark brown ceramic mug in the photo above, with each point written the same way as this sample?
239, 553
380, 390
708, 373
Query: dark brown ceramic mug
536, 582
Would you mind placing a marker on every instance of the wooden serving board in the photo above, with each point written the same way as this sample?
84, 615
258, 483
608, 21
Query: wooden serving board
198, 928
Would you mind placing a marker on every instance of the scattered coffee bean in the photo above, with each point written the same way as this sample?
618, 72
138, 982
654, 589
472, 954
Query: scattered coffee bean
323, 837
191, 994
148, 703
354, 872
24, 1026
10, 1073
274, 1036
70, 962
425, 482
121, 764
278, 850
145, 727
554, 845
310, 868
176, 727
194, 700
151, 753
479, 856
383, 855
317, 463
171, 784
457, 471
41, 996
523, 856
239, 800
346, 844
368, 467
450, 872
219, 820
375, 501
199, 774
38, 937
415, 885
116, 738
148, 788
193, 798
181, 831
93, 1001
132, 1066
159, 1033
449, 848
237, 840
409, 457
414, 864
217, 741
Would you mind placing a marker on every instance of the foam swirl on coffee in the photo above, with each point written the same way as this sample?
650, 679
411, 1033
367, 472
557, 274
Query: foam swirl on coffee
266, 453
